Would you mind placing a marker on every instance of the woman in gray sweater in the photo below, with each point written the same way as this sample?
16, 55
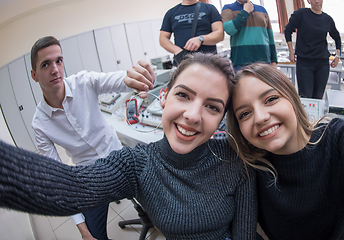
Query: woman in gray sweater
191, 186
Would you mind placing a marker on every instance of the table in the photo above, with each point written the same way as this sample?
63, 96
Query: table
292, 67
128, 135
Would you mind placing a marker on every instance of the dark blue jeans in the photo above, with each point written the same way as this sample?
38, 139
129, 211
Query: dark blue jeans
96, 221
312, 76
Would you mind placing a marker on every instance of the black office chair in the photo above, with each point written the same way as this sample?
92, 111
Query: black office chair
142, 220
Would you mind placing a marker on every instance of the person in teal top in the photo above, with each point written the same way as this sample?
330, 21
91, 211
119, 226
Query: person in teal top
251, 35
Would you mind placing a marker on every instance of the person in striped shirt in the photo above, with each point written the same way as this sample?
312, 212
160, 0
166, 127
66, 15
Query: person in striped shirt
251, 35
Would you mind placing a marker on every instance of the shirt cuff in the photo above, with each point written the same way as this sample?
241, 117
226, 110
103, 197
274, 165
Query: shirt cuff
78, 218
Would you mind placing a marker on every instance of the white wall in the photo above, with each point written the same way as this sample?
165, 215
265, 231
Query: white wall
24, 21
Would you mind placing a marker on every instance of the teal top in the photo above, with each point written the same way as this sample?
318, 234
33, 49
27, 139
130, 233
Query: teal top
251, 34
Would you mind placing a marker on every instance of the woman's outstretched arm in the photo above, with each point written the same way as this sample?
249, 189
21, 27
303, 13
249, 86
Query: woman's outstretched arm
36, 184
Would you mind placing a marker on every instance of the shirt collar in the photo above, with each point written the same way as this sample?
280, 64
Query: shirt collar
49, 109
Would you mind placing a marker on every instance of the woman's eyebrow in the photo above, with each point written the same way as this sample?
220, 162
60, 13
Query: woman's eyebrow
186, 88
216, 100
262, 95
239, 108
266, 92
194, 93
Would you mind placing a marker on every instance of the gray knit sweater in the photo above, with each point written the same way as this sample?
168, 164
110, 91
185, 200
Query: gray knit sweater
190, 196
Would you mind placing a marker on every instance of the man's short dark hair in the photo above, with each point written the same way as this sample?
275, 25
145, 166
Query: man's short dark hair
40, 44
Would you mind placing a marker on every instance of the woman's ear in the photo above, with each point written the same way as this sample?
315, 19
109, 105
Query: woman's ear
163, 101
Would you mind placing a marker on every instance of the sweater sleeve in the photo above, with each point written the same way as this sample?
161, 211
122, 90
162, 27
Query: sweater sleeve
292, 25
272, 45
231, 24
36, 184
335, 35
244, 225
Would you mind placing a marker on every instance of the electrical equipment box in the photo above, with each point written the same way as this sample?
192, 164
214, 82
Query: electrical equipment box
162, 76
107, 101
164, 62
335, 102
315, 108
110, 102
152, 115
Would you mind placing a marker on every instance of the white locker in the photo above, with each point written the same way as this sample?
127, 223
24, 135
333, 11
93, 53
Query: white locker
88, 52
11, 113
134, 41
22, 93
36, 89
156, 25
147, 38
71, 56
105, 49
121, 47
80, 53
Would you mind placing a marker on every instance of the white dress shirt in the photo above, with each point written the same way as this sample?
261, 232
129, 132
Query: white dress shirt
79, 127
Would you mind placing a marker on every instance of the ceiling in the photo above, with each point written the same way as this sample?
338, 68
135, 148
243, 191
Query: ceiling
4, 3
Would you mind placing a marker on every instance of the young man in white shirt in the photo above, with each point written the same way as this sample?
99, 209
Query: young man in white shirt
69, 116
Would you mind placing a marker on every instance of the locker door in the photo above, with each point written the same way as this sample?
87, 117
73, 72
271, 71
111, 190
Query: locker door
106, 50
36, 89
5, 134
88, 52
12, 114
156, 25
134, 41
22, 93
71, 56
121, 47
147, 39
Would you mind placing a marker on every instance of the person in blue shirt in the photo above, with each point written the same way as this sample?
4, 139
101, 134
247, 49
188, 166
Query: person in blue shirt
178, 20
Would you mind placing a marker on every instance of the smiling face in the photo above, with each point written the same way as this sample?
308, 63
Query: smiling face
194, 107
266, 118
49, 69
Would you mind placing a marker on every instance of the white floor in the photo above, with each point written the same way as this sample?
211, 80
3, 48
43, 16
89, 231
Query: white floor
63, 228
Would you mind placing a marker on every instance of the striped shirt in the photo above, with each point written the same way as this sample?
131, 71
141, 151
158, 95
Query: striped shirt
251, 35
